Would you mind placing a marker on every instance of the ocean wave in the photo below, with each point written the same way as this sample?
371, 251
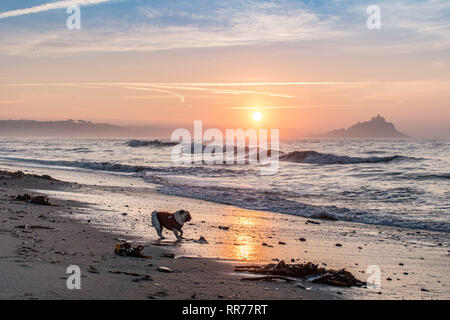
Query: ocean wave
315, 157
427, 176
81, 150
284, 202
150, 143
199, 171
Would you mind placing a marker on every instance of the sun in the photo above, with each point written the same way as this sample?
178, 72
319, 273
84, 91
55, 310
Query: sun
257, 116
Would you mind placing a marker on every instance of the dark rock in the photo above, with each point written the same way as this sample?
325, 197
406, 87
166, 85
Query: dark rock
41, 200
91, 269
18, 174
323, 216
201, 240
24, 197
143, 278
126, 250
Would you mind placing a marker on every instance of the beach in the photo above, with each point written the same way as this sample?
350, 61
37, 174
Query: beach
302, 146
40, 242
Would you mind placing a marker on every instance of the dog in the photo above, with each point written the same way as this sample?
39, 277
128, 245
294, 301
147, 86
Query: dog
170, 221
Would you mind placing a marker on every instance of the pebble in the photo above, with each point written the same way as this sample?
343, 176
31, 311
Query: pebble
164, 269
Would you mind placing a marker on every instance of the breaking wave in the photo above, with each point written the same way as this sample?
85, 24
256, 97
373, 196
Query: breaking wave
315, 157
150, 143
200, 171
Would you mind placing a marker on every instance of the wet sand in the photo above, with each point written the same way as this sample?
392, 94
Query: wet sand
87, 219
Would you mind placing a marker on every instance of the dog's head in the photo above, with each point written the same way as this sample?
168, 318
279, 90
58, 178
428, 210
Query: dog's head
185, 215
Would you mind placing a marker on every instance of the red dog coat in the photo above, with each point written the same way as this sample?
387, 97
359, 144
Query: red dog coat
167, 220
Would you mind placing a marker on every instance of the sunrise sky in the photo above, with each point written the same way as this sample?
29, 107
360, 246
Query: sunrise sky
311, 66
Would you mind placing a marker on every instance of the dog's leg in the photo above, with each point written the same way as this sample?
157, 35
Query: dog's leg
175, 232
157, 225
181, 234
159, 232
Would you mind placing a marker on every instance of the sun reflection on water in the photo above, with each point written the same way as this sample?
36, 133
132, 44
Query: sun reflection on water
244, 240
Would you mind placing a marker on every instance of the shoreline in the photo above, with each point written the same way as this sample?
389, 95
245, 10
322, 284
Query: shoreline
199, 278
34, 261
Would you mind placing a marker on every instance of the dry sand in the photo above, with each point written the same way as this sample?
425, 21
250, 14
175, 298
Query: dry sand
84, 224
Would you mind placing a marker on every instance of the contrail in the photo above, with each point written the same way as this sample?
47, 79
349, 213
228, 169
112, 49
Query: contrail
181, 97
49, 6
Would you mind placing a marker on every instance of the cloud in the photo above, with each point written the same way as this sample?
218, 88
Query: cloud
171, 89
12, 101
265, 107
49, 6
179, 96
407, 26
245, 23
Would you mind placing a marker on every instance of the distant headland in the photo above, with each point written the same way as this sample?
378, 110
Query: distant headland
76, 128
377, 127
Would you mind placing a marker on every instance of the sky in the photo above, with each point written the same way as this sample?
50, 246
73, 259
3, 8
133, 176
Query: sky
306, 66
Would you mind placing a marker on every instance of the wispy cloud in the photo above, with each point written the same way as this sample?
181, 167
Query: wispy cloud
407, 26
49, 6
12, 101
172, 89
236, 24
379, 90
265, 107
179, 96
190, 86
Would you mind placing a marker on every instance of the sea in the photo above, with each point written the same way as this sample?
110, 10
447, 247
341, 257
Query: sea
402, 183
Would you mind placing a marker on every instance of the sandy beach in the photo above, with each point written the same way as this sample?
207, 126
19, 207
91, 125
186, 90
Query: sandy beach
40, 242
301, 148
